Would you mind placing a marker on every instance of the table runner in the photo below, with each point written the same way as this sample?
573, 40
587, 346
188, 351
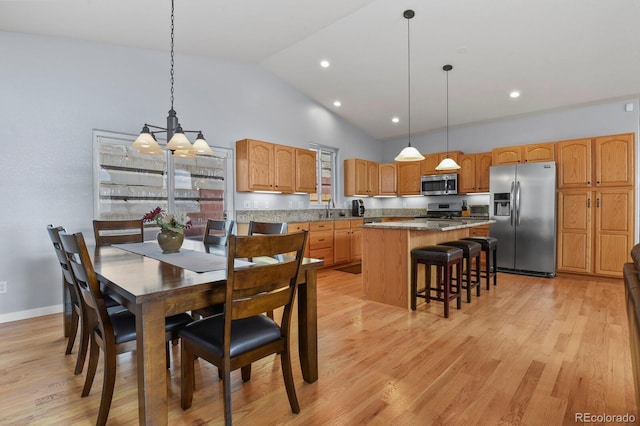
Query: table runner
191, 260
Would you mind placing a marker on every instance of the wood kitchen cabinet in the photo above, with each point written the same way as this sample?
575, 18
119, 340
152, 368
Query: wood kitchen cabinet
574, 163
431, 161
523, 154
387, 179
305, 170
595, 230
284, 165
320, 241
347, 241
294, 227
409, 174
473, 175
360, 177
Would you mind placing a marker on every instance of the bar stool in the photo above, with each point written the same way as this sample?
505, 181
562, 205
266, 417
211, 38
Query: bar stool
470, 251
444, 258
490, 249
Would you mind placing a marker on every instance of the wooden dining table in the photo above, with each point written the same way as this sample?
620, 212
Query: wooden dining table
153, 289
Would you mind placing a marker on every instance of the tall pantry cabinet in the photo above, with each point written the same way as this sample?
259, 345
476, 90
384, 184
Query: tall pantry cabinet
595, 204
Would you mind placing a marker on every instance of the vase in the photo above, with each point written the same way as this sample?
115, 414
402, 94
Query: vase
170, 241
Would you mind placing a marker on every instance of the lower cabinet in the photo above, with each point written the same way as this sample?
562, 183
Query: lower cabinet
294, 227
595, 230
320, 241
347, 241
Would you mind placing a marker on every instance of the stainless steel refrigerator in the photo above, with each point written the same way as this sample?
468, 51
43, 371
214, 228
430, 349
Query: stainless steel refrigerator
523, 204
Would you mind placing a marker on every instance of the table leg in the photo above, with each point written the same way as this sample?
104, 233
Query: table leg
152, 372
308, 326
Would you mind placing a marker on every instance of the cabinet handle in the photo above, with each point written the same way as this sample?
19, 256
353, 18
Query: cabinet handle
321, 239
588, 203
598, 202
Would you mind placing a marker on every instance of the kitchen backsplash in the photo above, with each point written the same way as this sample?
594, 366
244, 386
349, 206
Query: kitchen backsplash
309, 215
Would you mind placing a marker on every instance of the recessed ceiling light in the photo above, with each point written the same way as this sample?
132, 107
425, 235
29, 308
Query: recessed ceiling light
395, 120
514, 94
337, 103
324, 63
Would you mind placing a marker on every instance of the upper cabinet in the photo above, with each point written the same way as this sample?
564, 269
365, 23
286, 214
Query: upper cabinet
388, 179
409, 173
474, 172
523, 154
431, 161
305, 170
614, 160
601, 161
265, 166
360, 177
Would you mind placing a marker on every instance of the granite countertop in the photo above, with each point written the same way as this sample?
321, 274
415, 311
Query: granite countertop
430, 224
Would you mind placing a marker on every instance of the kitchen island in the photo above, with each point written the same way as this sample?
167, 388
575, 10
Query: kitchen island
386, 254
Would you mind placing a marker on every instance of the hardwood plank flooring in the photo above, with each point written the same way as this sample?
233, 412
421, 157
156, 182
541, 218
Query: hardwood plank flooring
531, 351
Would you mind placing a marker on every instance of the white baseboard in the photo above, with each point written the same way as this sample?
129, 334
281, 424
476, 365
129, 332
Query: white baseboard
31, 313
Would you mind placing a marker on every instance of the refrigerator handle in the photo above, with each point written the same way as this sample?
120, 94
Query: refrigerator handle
518, 203
512, 198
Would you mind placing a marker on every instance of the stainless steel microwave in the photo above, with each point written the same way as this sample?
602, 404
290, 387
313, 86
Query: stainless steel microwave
439, 184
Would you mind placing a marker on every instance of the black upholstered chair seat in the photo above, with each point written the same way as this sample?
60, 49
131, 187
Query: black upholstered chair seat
246, 334
488, 242
124, 324
469, 248
441, 253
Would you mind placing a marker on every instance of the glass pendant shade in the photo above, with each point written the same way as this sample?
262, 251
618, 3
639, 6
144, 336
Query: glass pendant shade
409, 153
178, 140
183, 153
448, 164
146, 143
200, 146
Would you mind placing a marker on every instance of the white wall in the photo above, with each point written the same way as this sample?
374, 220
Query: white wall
54, 92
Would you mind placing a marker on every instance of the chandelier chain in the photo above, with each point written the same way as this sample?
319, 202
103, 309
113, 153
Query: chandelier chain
172, 61
409, 78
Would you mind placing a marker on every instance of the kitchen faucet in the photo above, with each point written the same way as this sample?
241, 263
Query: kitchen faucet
329, 204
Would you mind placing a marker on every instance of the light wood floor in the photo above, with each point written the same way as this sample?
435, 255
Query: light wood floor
531, 351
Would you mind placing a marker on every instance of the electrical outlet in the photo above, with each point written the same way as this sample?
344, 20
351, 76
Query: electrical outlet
3, 287
247, 204
256, 204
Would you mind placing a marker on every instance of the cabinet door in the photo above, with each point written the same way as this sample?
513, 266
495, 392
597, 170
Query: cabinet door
341, 245
614, 230
575, 230
614, 160
292, 228
483, 163
362, 173
387, 176
373, 186
467, 172
306, 171
538, 152
429, 164
409, 178
356, 241
506, 155
573, 159
260, 165
284, 168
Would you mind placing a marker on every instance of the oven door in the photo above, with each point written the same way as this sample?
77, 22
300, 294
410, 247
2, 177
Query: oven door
439, 184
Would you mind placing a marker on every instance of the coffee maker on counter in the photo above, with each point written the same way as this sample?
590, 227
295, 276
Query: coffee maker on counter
357, 208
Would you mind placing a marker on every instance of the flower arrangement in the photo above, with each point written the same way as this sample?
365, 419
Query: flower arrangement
172, 222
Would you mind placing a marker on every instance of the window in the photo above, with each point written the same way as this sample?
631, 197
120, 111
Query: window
128, 184
326, 179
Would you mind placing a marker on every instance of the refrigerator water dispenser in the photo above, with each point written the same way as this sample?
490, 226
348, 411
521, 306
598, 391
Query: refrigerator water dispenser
501, 204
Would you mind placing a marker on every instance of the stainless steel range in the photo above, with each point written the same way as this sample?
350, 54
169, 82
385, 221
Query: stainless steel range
444, 210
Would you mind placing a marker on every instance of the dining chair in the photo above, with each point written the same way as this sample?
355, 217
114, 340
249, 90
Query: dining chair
77, 314
111, 332
267, 228
242, 334
216, 233
216, 236
107, 232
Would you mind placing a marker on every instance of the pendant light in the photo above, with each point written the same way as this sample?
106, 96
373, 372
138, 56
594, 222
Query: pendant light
409, 153
448, 163
178, 144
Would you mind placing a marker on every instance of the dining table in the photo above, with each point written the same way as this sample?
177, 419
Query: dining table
153, 289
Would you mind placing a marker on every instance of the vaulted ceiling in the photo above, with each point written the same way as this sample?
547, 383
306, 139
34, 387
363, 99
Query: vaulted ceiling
557, 53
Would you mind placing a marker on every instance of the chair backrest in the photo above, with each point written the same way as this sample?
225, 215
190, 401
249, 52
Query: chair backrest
260, 288
76, 252
67, 275
109, 232
267, 228
217, 232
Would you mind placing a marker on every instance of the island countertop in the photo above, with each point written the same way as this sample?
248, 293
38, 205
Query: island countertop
430, 224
